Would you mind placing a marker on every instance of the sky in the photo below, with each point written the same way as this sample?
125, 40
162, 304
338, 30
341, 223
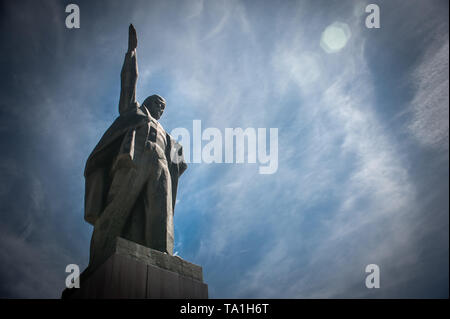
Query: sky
363, 140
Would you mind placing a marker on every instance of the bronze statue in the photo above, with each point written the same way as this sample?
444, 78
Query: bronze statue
132, 174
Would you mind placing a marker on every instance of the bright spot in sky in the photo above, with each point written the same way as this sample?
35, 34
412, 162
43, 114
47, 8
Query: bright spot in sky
335, 37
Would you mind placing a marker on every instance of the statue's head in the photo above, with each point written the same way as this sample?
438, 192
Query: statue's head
155, 104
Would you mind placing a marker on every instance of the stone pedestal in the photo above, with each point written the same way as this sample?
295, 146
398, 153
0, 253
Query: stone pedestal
138, 272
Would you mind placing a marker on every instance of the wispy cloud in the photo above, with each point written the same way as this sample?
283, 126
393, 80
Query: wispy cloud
343, 195
430, 103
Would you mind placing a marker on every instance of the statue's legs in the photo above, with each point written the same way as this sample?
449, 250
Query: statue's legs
139, 207
151, 220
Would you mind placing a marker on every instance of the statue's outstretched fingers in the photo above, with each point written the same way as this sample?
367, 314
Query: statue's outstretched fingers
132, 38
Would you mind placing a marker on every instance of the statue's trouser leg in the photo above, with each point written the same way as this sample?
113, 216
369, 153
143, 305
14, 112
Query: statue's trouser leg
159, 233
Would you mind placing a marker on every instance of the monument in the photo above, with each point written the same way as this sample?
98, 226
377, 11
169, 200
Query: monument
130, 193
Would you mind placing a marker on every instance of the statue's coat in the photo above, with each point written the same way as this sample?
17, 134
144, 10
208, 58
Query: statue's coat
99, 163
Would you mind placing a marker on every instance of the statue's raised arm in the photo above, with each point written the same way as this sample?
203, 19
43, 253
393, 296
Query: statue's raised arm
129, 75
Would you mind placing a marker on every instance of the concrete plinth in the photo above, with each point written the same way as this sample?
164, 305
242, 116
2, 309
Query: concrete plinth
138, 272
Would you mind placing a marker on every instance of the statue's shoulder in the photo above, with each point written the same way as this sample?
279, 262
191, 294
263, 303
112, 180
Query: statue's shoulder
132, 117
125, 121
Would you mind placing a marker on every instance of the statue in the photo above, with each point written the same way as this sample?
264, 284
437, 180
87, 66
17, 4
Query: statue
132, 174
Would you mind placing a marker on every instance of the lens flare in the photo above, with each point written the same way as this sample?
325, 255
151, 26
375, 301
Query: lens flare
335, 37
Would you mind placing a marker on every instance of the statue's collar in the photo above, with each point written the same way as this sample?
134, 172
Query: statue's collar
146, 111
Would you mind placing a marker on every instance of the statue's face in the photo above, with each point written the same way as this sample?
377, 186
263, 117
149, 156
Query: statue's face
157, 108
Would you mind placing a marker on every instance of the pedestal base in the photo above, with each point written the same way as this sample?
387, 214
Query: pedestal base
138, 272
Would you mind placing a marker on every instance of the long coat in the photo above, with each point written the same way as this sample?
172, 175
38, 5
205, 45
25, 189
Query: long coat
98, 165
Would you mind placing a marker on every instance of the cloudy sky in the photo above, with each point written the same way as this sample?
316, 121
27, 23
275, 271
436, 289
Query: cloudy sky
363, 143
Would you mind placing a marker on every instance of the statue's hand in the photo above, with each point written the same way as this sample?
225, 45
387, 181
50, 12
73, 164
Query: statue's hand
132, 38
